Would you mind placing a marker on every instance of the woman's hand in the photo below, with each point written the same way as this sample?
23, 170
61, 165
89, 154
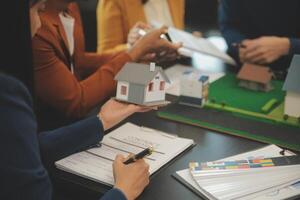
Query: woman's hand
113, 112
152, 43
134, 34
131, 179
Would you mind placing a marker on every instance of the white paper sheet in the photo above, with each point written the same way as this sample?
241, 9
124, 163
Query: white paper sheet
96, 163
192, 45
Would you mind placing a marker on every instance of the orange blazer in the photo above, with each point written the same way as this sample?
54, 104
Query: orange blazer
115, 18
93, 81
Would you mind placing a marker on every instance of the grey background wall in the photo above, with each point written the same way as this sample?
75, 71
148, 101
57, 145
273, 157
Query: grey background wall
201, 15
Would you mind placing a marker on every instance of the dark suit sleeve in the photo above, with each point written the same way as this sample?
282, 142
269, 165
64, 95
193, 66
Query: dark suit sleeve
114, 194
230, 24
22, 173
295, 46
23, 176
62, 142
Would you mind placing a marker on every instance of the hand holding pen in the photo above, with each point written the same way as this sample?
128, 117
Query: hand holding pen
141, 155
132, 178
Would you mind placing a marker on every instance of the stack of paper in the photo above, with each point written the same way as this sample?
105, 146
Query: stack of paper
96, 163
261, 183
243, 179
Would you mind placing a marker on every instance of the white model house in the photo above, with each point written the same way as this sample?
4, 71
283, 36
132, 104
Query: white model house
292, 88
193, 89
141, 84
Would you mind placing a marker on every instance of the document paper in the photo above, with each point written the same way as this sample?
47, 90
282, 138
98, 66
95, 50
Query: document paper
96, 163
192, 44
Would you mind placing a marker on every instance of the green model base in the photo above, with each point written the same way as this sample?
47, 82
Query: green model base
226, 95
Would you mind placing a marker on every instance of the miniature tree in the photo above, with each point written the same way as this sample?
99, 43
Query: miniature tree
285, 117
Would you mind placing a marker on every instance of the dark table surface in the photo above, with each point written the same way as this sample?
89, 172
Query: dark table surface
209, 146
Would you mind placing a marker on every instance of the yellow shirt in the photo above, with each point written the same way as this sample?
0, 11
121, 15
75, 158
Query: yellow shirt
115, 18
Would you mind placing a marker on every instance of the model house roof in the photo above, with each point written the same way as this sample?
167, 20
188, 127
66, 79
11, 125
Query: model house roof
139, 73
255, 73
292, 82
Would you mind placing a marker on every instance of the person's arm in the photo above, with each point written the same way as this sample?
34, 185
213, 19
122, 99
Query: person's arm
22, 173
295, 46
230, 24
114, 194
111, 34
21, 167
58, 87
62, 142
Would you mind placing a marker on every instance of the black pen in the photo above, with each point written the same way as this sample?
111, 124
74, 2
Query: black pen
140, 155
238, 45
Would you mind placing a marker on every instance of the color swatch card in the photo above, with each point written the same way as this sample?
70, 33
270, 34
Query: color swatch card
238, 164
244, 179
241, 181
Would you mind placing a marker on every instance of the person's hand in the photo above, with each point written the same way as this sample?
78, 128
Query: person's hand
166, 56
134, 35
130, 179
264, 50
152, 43
197, 34
113, 112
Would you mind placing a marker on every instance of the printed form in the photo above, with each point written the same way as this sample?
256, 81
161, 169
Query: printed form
96, 163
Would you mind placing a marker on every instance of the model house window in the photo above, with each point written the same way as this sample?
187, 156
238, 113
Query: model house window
150, 88
157, 77
162, 85
123, 90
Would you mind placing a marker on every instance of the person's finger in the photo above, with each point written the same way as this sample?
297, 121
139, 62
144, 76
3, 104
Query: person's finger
119, 158
142, 25
250, 48
197, 34
145, 110
246, 42
149, 57
168, 45
253, 55
178, 45
160, 31
267, 58
134, 36
260, 59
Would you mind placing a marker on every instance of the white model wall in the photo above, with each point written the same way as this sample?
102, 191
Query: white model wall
191, 88
292, 104
156, 94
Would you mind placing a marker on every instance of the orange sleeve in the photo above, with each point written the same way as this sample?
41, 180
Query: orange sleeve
88, 62
58, 87
111, 34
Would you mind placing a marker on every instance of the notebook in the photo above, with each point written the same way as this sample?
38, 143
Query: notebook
96, 163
